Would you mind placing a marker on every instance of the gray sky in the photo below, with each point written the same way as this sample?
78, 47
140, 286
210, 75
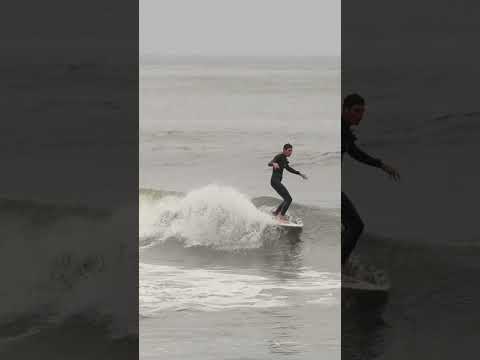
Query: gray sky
240, 27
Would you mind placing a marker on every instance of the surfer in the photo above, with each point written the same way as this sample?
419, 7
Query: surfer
280, 162
352, 113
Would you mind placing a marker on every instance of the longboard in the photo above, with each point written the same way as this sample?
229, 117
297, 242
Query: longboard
366, 291
291, 224
362, 285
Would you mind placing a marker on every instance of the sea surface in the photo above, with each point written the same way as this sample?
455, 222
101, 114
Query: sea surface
217, 279
421, 233
68, 239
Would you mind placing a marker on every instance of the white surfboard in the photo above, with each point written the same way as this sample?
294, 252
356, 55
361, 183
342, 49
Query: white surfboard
291, 224
364, 291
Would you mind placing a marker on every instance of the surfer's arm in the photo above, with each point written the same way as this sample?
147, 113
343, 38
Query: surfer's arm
363, 157
355, 152
292, 170
273, 161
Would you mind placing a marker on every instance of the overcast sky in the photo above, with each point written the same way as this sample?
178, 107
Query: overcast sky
240, 27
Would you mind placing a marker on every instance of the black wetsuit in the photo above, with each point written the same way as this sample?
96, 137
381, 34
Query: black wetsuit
353, 224
276, 182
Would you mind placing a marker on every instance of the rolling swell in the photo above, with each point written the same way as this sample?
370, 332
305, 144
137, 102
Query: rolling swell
60, 261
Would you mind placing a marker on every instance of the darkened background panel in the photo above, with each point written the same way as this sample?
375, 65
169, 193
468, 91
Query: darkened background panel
416, 64
69, 180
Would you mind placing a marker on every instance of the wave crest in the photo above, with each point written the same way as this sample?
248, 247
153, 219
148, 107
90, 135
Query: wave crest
214, 216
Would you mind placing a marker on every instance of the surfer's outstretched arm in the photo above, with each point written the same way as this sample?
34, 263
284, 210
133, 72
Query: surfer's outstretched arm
359, 155
355, 152
293, 171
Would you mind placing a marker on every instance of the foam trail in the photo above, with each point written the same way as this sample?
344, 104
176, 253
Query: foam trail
173, 288
215, 216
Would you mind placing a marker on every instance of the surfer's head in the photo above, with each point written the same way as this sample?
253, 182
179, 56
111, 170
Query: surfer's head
353, 109
287, 150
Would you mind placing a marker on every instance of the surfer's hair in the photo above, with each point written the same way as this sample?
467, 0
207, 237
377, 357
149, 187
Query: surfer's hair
351, 100
287, 146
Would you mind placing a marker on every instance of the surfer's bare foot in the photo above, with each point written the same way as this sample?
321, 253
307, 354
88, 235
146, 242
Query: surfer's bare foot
282, 218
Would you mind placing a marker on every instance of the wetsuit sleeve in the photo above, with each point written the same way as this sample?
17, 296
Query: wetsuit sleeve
355, 152
275, 159
293, 171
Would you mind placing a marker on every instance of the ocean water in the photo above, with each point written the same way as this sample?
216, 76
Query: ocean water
422, 233
68, 245
217, 279
66, 274
206, 121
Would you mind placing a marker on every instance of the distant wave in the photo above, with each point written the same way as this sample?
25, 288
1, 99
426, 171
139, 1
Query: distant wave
38, 210
455, 128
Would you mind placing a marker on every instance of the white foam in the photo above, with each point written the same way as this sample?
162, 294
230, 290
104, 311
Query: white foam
172, 288
216, 216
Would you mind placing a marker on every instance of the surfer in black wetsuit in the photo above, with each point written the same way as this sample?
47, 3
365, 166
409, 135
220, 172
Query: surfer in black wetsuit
280, 162
352, 113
